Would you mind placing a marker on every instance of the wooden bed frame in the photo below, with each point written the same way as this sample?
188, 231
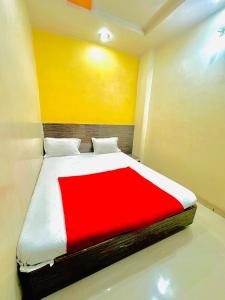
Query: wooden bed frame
85, 132
68, 269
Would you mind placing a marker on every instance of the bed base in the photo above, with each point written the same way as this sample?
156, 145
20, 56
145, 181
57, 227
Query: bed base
68, 269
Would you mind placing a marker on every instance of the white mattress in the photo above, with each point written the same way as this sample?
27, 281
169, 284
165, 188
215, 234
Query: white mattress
43, 237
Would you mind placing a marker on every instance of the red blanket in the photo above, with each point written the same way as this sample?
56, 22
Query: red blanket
102, 205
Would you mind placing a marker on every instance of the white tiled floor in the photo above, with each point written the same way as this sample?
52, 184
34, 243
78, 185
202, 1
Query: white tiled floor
187, 265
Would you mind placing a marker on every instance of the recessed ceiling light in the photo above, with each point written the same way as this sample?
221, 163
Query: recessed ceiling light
105, 35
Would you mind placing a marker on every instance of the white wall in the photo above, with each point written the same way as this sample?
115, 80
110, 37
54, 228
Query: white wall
20, 135
145, 77
186, 130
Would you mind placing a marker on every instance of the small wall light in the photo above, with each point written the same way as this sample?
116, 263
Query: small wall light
105, 35
221, 31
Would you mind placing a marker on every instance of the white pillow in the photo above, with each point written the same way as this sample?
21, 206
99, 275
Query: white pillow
106, 145
61, 146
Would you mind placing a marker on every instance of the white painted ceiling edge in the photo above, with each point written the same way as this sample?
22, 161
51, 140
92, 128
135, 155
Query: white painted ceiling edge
134, 15
166, 19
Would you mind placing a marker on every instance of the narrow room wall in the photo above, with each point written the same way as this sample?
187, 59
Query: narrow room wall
84, 83
186, 133
142, 113
20, 135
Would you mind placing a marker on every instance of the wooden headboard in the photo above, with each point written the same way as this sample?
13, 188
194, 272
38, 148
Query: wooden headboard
87, 131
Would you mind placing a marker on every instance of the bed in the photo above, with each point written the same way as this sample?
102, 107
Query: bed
44, 264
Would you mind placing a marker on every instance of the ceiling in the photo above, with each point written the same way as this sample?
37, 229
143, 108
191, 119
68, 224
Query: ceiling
136, 12
136, 25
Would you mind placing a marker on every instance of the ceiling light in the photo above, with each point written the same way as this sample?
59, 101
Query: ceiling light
105, 35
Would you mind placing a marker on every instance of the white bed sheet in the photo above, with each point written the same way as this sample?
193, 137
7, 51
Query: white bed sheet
43, 237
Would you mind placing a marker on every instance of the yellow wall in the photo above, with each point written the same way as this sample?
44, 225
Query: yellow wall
81, 82
186, 133
20, 136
